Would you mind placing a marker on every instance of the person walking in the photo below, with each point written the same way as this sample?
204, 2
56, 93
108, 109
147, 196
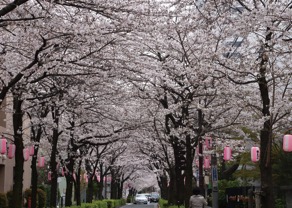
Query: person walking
197, 200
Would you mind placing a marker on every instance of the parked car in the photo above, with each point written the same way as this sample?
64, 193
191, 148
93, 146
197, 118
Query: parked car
154, 197
140, 199
148, 195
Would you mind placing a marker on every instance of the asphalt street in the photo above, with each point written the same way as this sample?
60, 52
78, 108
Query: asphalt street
150, 205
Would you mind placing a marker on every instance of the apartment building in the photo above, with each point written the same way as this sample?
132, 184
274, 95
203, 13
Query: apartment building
6, 164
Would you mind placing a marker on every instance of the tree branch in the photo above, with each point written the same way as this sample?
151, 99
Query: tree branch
10, 7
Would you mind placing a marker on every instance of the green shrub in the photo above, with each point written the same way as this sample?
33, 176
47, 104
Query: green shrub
163, 203
41, 198
110, 203
3, 200
279, 203
9, 196
122, 202
102, 204
129, 199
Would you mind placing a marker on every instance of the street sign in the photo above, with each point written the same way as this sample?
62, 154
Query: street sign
214, 174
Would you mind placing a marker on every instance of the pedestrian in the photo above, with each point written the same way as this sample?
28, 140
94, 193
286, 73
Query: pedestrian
197, 200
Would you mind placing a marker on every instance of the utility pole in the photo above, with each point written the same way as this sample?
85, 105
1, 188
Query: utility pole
201, 157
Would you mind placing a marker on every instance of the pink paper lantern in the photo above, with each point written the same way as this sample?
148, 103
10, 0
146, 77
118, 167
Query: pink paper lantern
207, 163
31, 150
197, 163
25, 154
287, 143
41, 162
64, 172
208, 142
11, 151
49, 176
255, 154
227, 153
3, 145
97, 177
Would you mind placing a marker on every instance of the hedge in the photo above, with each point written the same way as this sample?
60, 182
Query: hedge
106, 203
164, 204
3, 200
41, 197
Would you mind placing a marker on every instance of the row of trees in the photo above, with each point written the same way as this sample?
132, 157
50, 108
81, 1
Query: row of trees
111, 78
58, 74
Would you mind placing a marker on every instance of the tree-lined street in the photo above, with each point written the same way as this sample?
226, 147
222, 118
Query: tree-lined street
121, 96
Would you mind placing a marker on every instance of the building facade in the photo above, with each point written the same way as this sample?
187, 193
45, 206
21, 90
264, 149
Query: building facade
6, 164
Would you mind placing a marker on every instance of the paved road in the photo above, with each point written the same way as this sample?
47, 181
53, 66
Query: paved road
151, 205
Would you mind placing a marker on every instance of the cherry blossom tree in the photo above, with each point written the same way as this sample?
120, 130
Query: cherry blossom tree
249, 44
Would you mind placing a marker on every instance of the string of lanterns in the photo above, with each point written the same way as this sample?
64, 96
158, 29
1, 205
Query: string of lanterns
254, 152
27, 152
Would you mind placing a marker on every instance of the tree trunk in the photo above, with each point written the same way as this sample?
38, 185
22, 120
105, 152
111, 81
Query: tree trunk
100, 188
120, 190
53, 163
69, 180
77, 186
69, 190
267, 196
172, 187
89, 192
34, 173
163, 185
18, 141
189, 171
113, 188
179, 176
34, 179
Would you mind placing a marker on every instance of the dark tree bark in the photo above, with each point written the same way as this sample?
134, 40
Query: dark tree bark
91, 174
120, 189
54, 174
189, 171
69, 182
267, 196
34, 181
34, 174
89, 191
18, 141
72, 148
100, 187
179, 176
172, 187
163, 185
10, 7
53, 162
36, 133
114, 188
77, 185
